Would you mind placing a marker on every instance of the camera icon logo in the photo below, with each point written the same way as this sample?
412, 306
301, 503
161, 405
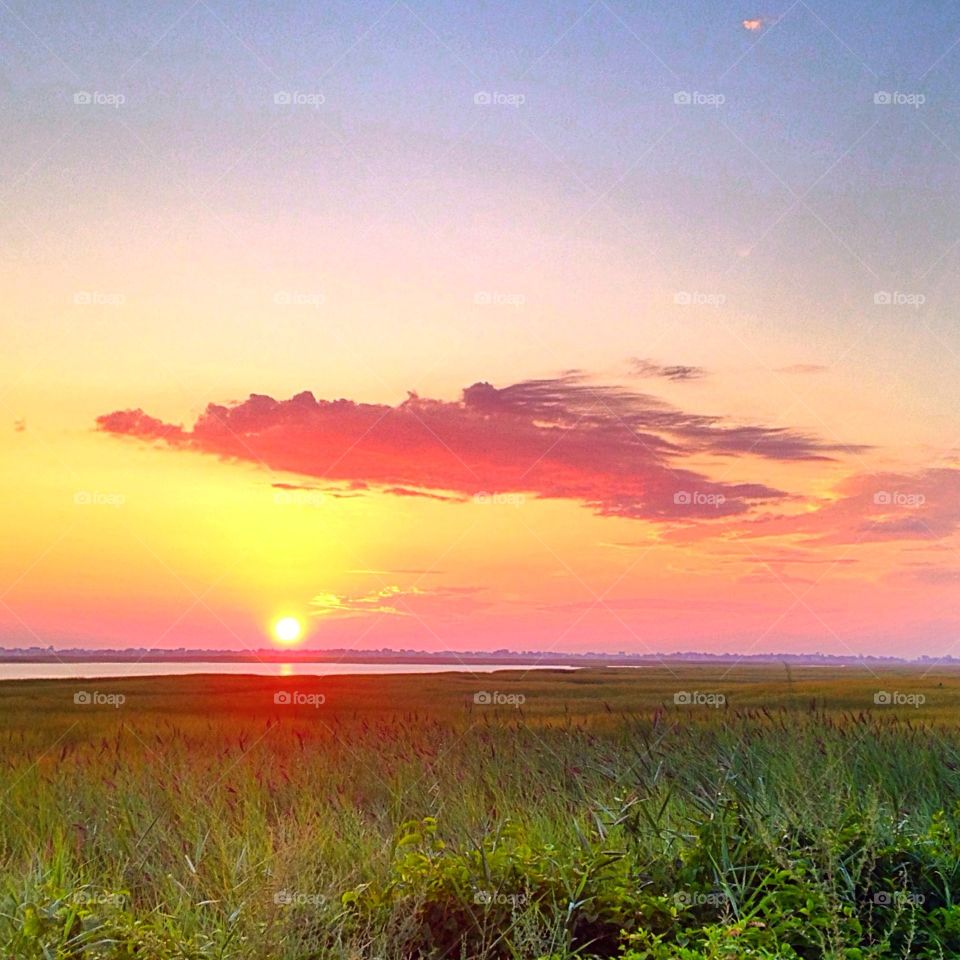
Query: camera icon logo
482, 697
882, 698
883, 298
682, 697
482, 98
283, 98
682, 498
282, 697
82, 97
882, 97
82, 698
882, 498
682, 98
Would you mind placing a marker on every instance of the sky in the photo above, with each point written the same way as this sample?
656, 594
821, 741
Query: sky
554, 326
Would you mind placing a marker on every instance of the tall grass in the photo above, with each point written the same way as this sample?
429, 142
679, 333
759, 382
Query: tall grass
200, 820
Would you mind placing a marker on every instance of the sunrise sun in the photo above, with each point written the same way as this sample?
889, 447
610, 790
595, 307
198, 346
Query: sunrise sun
287, 630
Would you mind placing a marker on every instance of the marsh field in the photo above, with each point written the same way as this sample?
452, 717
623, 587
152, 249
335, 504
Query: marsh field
676, 811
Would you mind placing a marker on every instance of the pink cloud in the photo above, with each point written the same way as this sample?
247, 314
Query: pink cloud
877, 507
619, 452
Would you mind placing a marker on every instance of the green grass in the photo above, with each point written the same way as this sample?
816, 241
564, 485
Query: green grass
399, 819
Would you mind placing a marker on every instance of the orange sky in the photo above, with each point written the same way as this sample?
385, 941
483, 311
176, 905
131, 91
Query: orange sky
121, 540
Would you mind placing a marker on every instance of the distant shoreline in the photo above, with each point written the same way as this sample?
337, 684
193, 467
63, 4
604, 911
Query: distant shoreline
447, 657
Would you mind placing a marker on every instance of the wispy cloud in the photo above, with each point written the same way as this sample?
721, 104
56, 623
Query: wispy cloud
397, 601
379, 601
409, 492
642, 368
875, 508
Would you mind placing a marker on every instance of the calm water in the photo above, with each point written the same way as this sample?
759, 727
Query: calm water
48, 671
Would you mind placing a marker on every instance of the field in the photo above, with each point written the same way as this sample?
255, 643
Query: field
685, 812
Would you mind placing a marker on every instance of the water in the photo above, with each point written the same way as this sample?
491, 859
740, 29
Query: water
54, 671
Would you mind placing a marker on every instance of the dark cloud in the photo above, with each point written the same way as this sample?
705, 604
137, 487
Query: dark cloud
640, 367
408, 492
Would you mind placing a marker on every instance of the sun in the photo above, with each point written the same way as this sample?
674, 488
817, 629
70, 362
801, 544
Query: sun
287, 630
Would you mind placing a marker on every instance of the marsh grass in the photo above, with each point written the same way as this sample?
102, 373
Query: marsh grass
202, 820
